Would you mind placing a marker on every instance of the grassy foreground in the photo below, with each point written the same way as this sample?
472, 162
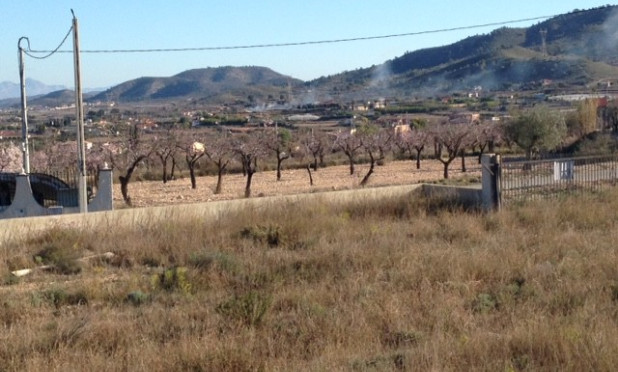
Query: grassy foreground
397, 285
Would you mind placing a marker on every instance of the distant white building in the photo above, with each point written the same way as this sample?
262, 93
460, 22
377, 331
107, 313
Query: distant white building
304, 117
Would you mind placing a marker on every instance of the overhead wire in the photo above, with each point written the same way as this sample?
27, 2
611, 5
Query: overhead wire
288, 44
29, 52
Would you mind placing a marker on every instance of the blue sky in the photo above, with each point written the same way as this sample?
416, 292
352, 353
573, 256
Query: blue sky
155, 24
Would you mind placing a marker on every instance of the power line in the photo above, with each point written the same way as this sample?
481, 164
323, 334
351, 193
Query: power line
300, 43
29, 51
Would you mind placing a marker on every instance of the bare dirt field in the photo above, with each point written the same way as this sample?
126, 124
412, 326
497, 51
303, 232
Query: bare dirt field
293, 181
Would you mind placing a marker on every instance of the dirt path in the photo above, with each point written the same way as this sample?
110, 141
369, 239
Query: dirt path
293, 181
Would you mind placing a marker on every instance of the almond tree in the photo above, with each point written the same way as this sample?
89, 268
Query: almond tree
278, 141
349, 144
249, 149
413, 142
488, 135
126, 155
375, 141
452, 138
218, 149
59, 156
165, 148
302, 154
315, 144
193, 151
10, 157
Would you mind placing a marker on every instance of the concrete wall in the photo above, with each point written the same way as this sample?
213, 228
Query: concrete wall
473, 196
24, 204
12, 228
468, 196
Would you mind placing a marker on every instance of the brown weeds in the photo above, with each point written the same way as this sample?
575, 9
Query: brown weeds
400, 284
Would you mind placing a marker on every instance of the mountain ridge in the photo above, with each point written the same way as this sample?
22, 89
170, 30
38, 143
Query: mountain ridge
571, 51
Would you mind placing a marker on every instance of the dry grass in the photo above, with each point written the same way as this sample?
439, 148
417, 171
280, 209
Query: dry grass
399, 284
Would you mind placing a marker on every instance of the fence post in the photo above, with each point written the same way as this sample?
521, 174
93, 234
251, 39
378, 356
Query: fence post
490, 178
103, 200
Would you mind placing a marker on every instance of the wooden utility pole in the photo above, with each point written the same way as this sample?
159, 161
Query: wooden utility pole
24, 110
79, 108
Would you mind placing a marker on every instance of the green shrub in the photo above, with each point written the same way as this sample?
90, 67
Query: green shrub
249, 308
63, 259
173, 279
271, 235
484, 303
201, 260
60, 297
137, 298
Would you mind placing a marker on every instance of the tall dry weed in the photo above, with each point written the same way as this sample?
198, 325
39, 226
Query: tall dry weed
399, 284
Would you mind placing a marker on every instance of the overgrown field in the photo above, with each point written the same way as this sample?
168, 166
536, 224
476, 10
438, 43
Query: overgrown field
401, 284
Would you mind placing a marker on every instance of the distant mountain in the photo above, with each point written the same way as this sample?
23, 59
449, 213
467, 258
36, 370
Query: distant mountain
58, 98
574, 51
33, 88
213, 84
63, 97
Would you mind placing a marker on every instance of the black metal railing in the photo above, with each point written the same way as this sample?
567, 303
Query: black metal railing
62, 186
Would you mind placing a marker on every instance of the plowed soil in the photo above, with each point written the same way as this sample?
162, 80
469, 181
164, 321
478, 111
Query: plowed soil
293, 181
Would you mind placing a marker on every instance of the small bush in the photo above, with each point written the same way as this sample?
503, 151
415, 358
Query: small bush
60, 297
271, 235
484, 303
63, 259
137, 298
173, 279
249, 308
381, 363
399, 339
10, 312
614, 292
201, 260
10, 279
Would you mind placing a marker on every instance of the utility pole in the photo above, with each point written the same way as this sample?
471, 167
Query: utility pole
24, 110
81, 148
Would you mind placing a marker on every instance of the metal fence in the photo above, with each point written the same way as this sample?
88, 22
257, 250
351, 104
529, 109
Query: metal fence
535, 179
66, 185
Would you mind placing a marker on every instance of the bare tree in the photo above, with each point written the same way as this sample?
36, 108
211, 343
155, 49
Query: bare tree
413, 142
193, 151
375, 141
488, 135
349, 144
311, 146
126, 155
166, 147
218, 149
249, 149
450, 137
315, 143
278, 141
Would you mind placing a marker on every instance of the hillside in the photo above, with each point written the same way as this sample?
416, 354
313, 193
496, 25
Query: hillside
578, 51
570, 52
211, 83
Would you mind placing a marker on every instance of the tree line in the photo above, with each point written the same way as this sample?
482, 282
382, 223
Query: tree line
533, 131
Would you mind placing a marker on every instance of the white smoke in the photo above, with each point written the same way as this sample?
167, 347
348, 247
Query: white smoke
610, 30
